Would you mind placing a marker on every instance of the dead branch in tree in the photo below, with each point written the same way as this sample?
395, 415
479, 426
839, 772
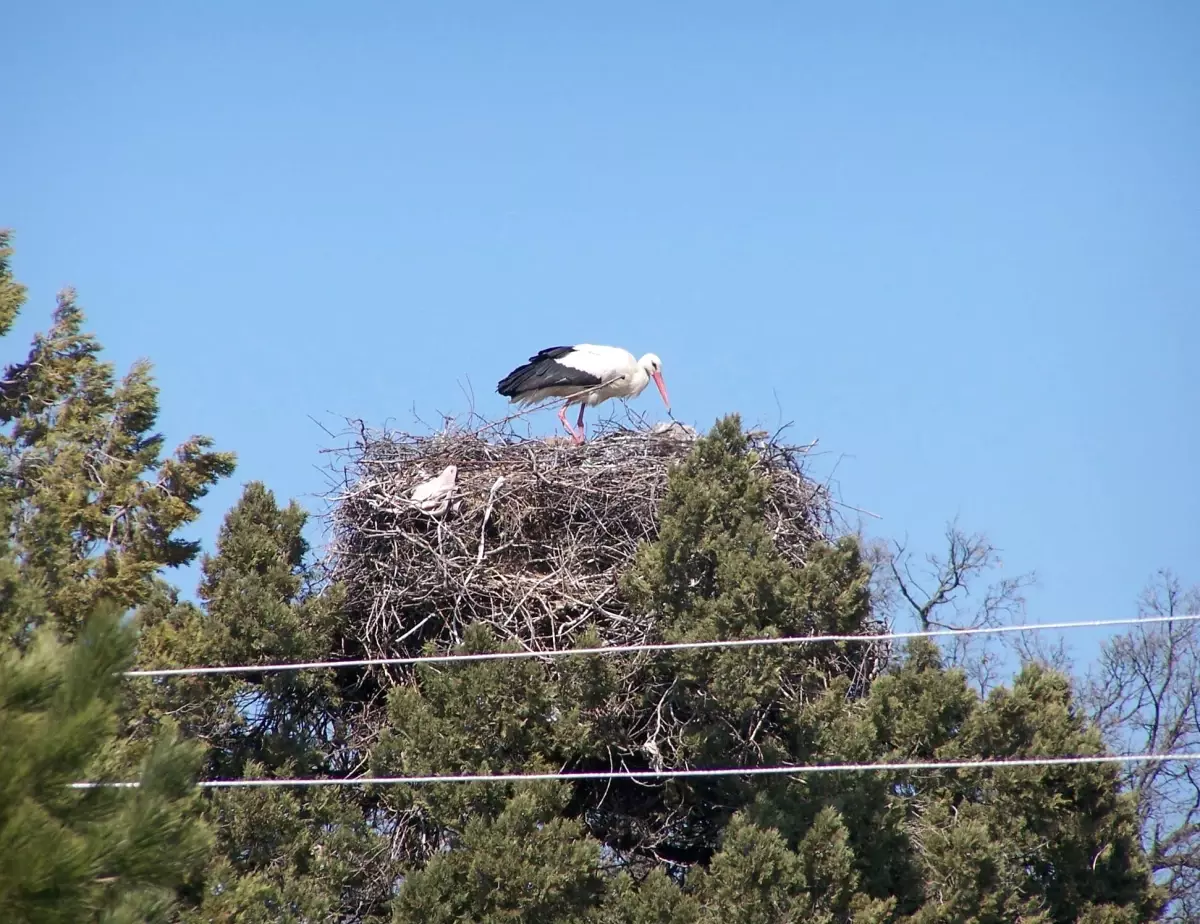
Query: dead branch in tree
1144, 693
942, 593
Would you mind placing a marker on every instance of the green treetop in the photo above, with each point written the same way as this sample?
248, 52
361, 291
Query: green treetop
282, 855
1039, 845
92, 505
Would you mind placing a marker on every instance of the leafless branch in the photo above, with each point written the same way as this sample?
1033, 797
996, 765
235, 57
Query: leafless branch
941, 592
1144, 693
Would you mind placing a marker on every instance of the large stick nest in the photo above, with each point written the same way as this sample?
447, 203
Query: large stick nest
532, 541
533, 537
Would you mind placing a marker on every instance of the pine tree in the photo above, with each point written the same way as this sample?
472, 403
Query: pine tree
91, 512
281, 855
1047, 844
92, 507
1038, 845
713, 572
528, 863
80, 855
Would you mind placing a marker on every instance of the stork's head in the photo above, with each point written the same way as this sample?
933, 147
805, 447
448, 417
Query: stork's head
652, 366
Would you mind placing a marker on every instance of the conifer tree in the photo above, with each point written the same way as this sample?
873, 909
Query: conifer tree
92, 507
1039, 845
87, 855
281, 855
91, 513
713, 572
528, 863
1053, 844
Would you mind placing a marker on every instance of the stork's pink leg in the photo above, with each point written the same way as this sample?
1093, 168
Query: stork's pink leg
579, 423
562, 416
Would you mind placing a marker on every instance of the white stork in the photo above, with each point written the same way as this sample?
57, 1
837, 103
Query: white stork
582, 374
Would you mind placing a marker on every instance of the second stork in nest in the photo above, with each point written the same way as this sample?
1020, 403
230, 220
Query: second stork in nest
583, 374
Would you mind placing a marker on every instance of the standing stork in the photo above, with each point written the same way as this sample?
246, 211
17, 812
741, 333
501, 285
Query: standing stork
582, 374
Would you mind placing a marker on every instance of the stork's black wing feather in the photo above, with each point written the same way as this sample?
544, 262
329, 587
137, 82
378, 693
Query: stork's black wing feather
543, 372
551, 353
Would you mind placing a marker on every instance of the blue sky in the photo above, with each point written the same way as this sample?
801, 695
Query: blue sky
958, 244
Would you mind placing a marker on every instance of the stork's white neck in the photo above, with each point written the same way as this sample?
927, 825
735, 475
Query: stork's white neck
641, 377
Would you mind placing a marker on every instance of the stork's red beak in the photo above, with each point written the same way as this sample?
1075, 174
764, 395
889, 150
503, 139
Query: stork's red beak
662, 389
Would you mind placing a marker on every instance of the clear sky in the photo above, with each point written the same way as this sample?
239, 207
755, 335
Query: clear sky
958, 242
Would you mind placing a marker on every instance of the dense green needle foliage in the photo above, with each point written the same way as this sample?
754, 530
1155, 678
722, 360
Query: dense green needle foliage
283, 855
93, 508
70, 855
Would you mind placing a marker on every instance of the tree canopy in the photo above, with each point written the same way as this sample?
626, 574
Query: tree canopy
94, 509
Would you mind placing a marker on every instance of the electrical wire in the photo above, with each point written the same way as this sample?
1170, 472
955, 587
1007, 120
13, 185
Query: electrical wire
650, 646
673, 774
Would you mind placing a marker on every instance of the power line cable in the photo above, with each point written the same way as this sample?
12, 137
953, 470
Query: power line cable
650, 646
672, 774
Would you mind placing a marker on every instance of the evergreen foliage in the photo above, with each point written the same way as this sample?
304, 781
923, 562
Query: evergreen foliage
528, 863
713, 572
93, 508
105, 854
1046, 844
281, 855
1053, 844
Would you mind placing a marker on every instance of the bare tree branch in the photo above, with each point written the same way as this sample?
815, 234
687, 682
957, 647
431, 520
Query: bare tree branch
941, 593
1144, 693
